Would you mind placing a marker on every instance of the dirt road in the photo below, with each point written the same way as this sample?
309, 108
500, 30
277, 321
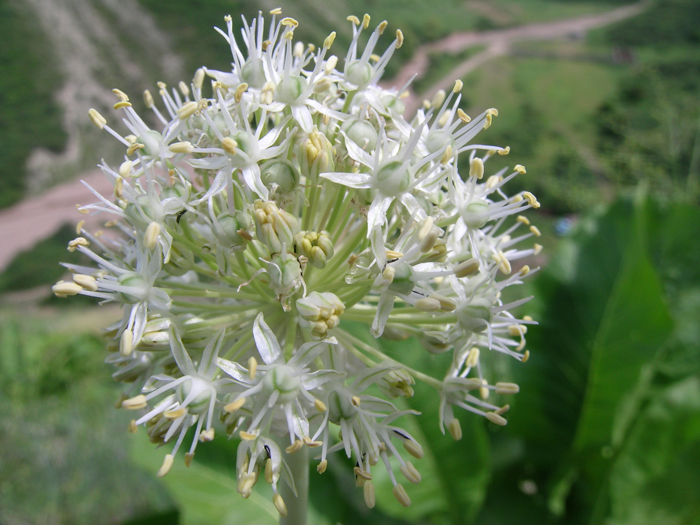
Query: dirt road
36, 218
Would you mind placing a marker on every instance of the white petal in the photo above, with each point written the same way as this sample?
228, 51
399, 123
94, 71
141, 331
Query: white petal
265, 340
353, 180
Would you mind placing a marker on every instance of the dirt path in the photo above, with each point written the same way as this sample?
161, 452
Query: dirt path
498, 43
36, 218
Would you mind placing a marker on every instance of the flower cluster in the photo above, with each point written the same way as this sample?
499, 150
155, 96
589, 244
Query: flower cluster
249, 223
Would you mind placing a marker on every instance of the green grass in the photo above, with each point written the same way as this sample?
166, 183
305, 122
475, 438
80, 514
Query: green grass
441, 65
29, 116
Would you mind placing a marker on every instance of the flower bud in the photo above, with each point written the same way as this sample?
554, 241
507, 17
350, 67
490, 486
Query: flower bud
274, 227
396, 383
280, 174
232, 229
320, 312
361, 132
317, 247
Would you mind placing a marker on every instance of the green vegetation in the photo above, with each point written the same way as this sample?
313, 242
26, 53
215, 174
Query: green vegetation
40, 265
440, 65
29, 117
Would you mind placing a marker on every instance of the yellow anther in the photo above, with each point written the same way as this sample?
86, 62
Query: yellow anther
535, 231
198, 79
189, 456
132, 427
503, 151
413, 448
328, 42
391, 254
503, 262
515, 330
125, 168
247, 436
174, 414
97, 119
228, 19
320, 405
289, 35
447, 156
322, 466
121, 95
86, 281
78, 241
187, 110
229, 145
161, 85
311, 443
134, 148
167, 465
531, 200
135, 403
206, 435
427, 304
365, 21
79, 227
455, 429
119, 187
234, 405
294, 447
290, 22
148, 99
239, 92
63, 289
183, 88
526, 356
489, 119
310, 48
537, 248
181, 147
279, 505
523, 220
484, 390
401, 495
356, 401
438, 98
507, 388
399, 38
266, 44
252, 367
150, 238
463, 116
354, 20
502, 410
81, 210
473, 357
458, 86
492, 111
520, 169
122, 104
467, 268
524, 270
496, 419
369, 494
362, 473
276, 11
410, 472
381, 27
476, 168
131, 139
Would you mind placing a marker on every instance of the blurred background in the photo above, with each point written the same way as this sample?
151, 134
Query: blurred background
600, 100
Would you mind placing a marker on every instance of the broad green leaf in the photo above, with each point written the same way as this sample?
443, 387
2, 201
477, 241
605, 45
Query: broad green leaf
657, 474
204, 495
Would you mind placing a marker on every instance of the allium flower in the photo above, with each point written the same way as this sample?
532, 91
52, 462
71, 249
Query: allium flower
262, 213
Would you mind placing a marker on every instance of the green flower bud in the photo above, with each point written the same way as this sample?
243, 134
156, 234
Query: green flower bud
316, 247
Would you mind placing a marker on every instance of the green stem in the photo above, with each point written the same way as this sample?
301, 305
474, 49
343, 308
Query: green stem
296, 505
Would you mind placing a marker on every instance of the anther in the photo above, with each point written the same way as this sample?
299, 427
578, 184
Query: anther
183, 89
79, 227
311, 443
401, 495
413, 448
276, 11
322, 466
294, 447
150, 238
410, 472
507, 388
476, 168
535, 231
125, 168
135, 403
526, 356
446, 304
515, 330
467, 268
455, 429
62, 289
187, 110
134, 148
122, 104
463, 116
167, 465
356, 401
399, 38
148, 99
369, 495
97, 119
362, 473
473, 357
174, 414
504, 151
239, 92
520, 169
496, 419
252, 367
328, 42
132, 426
247, 436
537, 248
279, 505
188, 459
229, 145
353, 19
427, 304
235, 405
320, 405
381, 27
126, 343
523, 220
290, 22
206, 435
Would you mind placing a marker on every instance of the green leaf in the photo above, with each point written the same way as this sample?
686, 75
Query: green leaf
205, 496
657, 474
